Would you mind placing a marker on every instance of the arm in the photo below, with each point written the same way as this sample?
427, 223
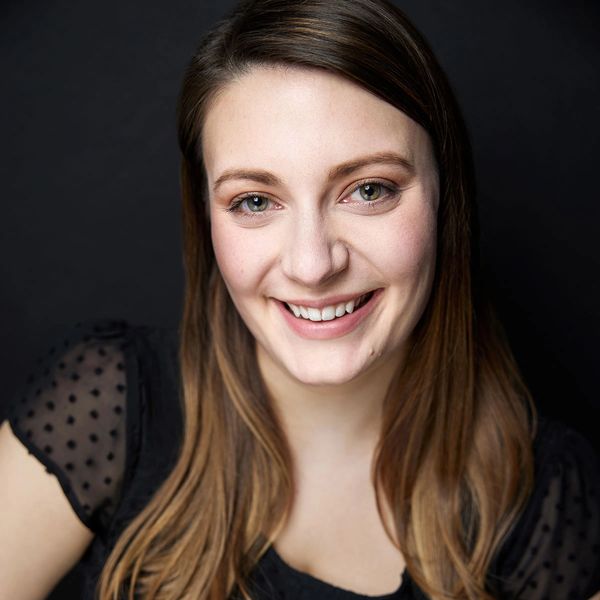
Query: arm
41, 538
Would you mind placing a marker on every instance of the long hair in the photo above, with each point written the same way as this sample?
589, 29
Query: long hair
454, 457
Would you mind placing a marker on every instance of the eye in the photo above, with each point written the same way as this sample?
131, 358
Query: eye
251, 203
370, 191
366, 192
256, 203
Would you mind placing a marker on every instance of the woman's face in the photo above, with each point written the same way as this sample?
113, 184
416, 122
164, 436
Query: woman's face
323, 203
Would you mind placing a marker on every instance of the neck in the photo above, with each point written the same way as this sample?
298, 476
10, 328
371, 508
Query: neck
328, 423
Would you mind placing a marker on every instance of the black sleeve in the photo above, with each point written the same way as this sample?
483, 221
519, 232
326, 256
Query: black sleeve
553, 552
71, 415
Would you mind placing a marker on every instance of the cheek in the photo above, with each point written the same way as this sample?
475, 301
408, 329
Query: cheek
240, 258
417, 248
229, 251
403, 248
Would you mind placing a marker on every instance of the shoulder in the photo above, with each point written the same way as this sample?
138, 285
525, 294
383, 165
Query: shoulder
78, 412
554, 440
553, 550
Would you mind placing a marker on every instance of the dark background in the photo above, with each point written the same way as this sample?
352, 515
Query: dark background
90, 217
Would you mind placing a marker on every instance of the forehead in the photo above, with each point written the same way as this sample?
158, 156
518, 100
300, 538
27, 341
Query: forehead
283, 116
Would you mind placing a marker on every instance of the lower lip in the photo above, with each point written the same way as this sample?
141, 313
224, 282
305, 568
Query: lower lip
325, 330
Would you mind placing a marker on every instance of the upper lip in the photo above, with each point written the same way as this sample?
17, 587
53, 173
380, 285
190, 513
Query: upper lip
329, 301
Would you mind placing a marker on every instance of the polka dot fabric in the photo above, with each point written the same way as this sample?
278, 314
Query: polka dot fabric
554, 551
72, 416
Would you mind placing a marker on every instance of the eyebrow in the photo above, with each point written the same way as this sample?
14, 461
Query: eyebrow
341, 170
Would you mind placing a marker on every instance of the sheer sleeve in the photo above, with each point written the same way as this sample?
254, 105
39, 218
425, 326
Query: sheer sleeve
554, 551
71, 415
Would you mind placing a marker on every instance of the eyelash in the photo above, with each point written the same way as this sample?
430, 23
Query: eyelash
389, 191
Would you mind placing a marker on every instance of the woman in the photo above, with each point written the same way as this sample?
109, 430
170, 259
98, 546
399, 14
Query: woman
354, 424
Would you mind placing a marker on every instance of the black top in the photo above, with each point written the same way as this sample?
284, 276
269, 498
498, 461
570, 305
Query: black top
102, 413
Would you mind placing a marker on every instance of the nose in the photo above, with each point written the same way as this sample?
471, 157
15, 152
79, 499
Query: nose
313, 253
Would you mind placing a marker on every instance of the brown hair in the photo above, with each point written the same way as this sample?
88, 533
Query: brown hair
454, 458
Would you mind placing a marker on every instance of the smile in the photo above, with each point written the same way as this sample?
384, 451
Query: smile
330, 318
331, 312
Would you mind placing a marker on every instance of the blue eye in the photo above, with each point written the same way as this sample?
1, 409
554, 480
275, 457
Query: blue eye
252, 203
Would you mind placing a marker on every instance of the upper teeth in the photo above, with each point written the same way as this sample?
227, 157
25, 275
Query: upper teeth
327, 313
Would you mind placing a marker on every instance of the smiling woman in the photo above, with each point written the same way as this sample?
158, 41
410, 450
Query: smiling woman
353, 424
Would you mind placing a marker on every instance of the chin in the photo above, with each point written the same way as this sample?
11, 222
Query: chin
321, 375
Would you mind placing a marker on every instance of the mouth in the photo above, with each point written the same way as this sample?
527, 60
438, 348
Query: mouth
331, 312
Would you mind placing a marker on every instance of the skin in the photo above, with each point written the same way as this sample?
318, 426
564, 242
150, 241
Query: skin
318, 237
